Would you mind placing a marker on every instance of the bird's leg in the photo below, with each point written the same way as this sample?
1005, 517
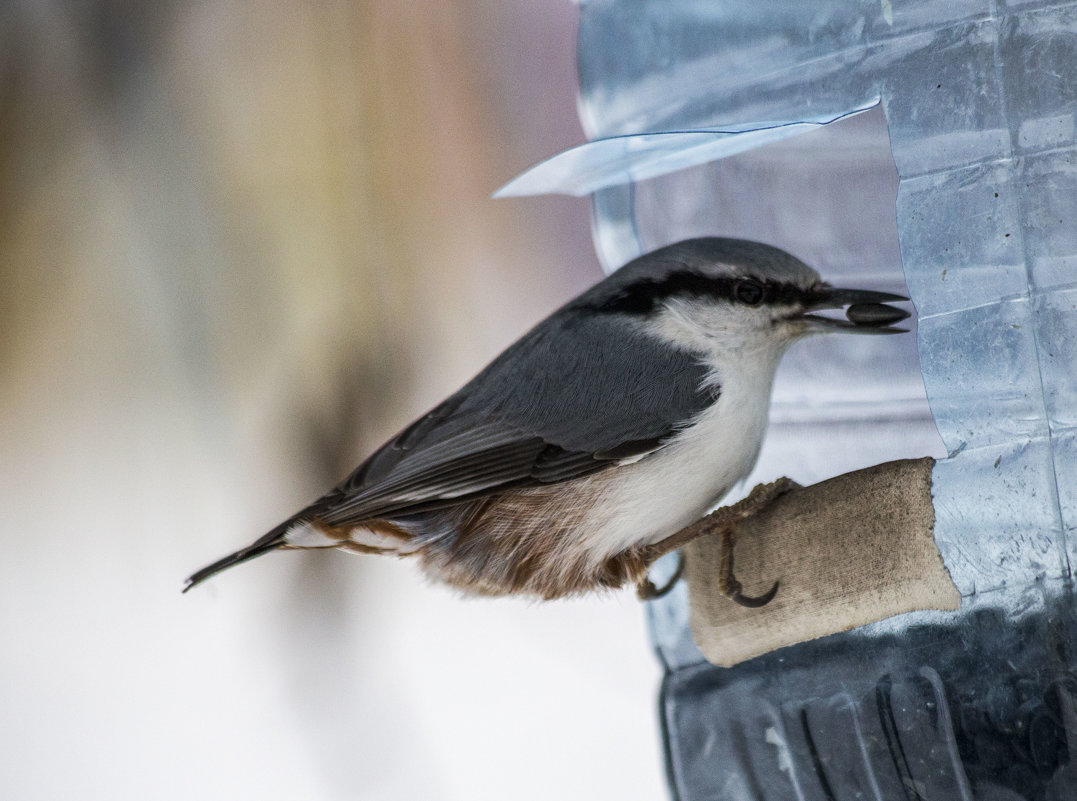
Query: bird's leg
725, 521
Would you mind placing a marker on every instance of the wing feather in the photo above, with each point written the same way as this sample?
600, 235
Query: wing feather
575, 395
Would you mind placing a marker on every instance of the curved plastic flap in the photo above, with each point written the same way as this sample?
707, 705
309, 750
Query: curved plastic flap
617, 160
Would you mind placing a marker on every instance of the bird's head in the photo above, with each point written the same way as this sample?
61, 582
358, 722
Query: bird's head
736, 296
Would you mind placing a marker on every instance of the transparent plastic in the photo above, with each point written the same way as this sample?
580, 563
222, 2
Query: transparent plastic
980, 102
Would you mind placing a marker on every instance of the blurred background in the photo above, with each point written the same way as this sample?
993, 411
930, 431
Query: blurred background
242, 244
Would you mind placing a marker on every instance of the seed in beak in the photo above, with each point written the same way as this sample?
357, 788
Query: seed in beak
874, 314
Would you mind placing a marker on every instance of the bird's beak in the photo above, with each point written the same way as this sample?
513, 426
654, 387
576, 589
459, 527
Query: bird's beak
867, 312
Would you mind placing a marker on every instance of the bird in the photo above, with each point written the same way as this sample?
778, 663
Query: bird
572, 460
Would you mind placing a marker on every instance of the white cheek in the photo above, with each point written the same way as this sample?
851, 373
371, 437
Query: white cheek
707, 328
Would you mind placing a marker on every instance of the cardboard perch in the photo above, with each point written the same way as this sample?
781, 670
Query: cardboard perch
847, 551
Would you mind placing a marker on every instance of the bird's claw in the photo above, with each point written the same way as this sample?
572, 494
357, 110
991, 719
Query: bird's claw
753, 601
646, 589
727, 580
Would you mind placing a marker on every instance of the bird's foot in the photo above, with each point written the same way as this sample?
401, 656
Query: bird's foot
646, 589
725, 522
761, 496
727, 581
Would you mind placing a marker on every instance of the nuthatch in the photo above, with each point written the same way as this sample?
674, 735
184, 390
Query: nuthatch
573, 459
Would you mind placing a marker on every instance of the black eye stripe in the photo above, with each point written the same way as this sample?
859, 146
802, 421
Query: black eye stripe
787, 294
645, 295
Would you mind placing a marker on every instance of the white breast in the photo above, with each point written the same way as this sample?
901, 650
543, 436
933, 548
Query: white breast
649, 500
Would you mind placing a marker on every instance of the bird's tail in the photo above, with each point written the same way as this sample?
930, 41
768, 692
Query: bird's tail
270, 542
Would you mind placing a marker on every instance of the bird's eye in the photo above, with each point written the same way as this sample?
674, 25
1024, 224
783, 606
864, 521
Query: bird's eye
749, 291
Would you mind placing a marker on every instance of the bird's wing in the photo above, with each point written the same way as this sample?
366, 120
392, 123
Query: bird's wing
574, 396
